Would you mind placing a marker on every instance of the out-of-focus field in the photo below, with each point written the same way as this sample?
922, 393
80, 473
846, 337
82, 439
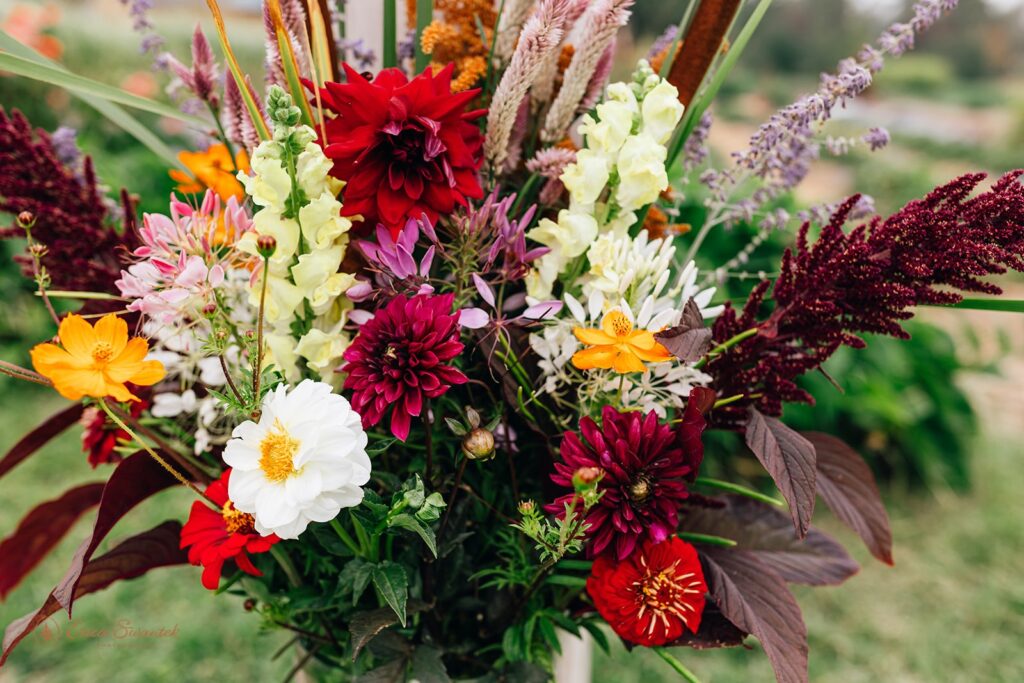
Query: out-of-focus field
951, 609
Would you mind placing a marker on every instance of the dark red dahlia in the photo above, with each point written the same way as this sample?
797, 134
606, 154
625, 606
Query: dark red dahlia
650, 598
405, 148
100, 436
645, 469
398, 359
215, 536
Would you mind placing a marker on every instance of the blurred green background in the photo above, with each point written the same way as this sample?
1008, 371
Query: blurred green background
938, 417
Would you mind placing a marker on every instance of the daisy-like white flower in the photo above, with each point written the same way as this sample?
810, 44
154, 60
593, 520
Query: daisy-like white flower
304, 461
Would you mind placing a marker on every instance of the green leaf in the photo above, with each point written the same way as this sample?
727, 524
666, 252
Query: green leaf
567, 581
356, 575
413, 492
547, 630
458, 429
1006, 305
410, 523
431, 510
372, 512
595, 630
392, 584
53, 75
427, 666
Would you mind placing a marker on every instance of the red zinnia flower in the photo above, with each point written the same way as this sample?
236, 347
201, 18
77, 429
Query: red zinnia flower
216, 536
100, 436
398, 359
649, 598
405, 148
645, 465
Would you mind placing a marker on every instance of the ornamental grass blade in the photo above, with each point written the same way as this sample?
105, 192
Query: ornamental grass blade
135, 479
40, 531
789, 459
111, 111
139, 554
847, 486
236, 72
756, 600
28, 68
40, 436
289, 64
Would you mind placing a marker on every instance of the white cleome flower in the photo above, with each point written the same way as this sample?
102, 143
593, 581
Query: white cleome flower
303, 462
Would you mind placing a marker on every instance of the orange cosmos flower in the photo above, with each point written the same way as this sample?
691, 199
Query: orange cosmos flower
212, 168
617, 346
96, 361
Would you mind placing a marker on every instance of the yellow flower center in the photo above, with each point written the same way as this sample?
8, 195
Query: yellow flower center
664, 593
102, 352
236, 521
619, 323
277, 454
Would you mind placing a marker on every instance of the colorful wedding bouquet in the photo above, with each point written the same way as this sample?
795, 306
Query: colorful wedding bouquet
431, 348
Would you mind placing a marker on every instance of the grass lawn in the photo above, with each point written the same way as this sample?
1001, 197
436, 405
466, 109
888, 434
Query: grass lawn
949, 611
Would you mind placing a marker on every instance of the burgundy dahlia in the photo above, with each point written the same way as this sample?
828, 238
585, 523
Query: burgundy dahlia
645, 469
399, 358
405, 148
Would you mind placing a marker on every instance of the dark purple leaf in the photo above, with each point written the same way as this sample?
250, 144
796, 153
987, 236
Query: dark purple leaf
688, 341
692, 425
157, 547
40, 436
817, 559
135, 479
789, 459
41, 530
754, 598
847, 486
714, 631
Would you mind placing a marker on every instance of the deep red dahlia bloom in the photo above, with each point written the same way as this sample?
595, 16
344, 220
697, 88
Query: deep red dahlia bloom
650, 598
216, 536
100, 436
405, 148
399, 358
645, 468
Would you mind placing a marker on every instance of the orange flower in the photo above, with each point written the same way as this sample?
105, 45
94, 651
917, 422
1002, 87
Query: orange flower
212, 168
96, 361
617, 346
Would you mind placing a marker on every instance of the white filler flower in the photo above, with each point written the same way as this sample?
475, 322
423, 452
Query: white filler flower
303, 462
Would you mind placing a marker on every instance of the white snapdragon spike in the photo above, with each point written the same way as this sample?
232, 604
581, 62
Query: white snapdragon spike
304, 461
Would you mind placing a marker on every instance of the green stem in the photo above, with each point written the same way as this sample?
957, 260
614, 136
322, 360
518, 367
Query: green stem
286, 564
707, 539
390, 51
346, 538
670, 659
68, 294
424, 16
370, 549
737, 489
725, 346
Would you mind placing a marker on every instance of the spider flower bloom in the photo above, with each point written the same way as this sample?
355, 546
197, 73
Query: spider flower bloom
645, 469
215, 536
405, 148
304, 461
651, 597
96, 361
618, 346
399, 358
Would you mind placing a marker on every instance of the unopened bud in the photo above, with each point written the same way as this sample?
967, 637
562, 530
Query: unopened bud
266, 245
478, 444
209, 310
38, 250
526, 507
249, 605
585, 477
26, 219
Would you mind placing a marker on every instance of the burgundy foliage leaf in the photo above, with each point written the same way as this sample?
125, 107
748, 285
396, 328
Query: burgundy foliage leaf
715, 631
789, 459
847, 486
754, 598
689, 340
866, 281
137, 555
40, 436
692, 425
816, 560
40, 531
70, 214
135, 479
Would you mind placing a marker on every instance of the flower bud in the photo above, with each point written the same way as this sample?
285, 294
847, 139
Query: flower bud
38, 250
266, 245
209, 309
586, 477
249, 605
26, 219
478, 444
526, 507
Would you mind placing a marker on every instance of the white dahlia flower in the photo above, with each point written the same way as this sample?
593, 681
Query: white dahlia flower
304, 461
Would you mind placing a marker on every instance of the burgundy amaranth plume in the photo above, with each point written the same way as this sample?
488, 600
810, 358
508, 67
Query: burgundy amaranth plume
866, 281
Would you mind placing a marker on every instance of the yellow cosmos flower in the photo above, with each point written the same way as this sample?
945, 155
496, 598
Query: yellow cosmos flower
212, 168
617, 346
96, 361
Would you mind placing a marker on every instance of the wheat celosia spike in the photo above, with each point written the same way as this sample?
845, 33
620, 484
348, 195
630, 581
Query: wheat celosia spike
600, 24
541, 36
513, 16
